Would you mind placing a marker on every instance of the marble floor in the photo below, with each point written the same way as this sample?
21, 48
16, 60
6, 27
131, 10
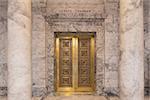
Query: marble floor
77, 97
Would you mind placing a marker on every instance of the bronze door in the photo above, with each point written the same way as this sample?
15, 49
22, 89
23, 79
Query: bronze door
75, 62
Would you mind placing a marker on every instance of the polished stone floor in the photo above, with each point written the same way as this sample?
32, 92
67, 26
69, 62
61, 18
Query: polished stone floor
76, 97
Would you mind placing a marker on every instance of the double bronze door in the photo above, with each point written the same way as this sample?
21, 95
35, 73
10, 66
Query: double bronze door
75, 62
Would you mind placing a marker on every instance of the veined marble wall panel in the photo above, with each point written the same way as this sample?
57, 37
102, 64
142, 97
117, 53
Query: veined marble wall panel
111, 47
147, 45
38, 54
3, 47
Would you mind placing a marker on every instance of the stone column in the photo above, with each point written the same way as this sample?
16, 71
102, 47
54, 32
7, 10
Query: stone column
19, 50
131, 70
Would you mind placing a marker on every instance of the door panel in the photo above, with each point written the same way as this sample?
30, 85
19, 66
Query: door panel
84, 63
75, 62
65, 62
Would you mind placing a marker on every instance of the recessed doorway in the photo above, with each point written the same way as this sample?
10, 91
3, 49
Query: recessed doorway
75, 61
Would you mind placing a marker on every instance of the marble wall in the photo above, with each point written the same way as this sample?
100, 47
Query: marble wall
3, 47
147, 45
111, 46
100, 16
38, 52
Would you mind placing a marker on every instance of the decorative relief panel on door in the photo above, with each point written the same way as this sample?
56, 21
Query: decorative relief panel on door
65, 63
84, 62
75, 62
